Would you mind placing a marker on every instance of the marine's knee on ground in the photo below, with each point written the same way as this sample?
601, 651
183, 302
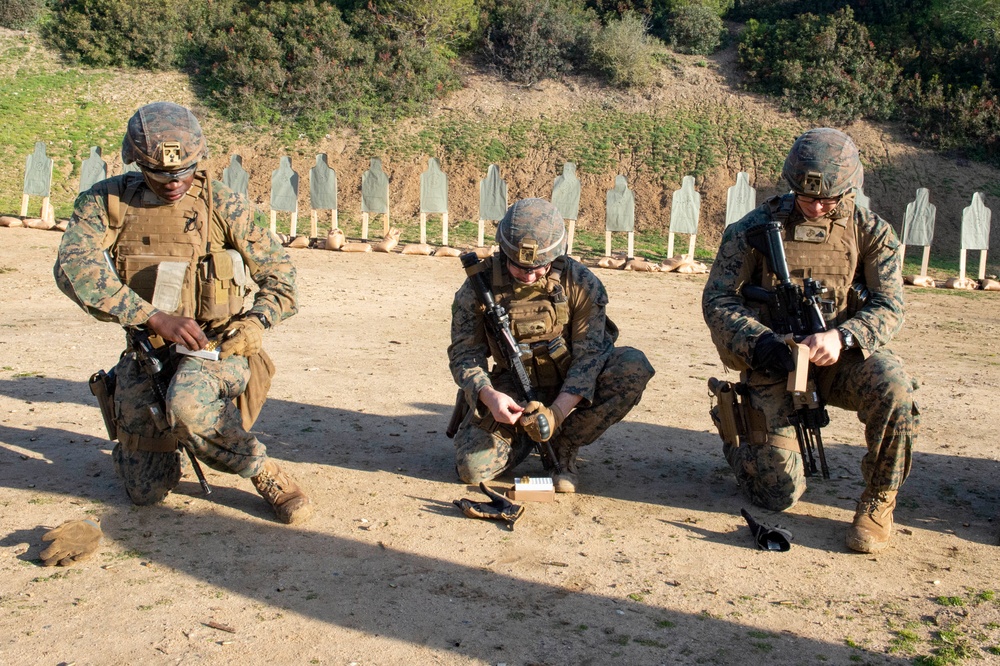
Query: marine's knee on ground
768, 476
148, 476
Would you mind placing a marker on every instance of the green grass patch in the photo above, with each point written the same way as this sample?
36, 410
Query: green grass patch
904, 641
949, 601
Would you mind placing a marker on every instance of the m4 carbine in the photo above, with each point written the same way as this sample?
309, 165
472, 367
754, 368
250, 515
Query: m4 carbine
498, 327
796, 312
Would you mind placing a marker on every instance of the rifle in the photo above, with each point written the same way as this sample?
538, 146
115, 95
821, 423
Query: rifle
796, 312
145, 355
498, 326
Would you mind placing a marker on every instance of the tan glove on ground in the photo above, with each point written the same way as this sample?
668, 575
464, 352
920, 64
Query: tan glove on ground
244, 337
530, 420
73, 541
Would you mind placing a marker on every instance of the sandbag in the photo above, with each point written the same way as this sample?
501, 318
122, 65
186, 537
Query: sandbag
692, 267
390, 241
640, 265
356, 247
417, 248
485, 252
989, 284
37, 223
61, 225
299, 242
960, 283
10, 221
920, 281
334, 240
611, 262
445, 251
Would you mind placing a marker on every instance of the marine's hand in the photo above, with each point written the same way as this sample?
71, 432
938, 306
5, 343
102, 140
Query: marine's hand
772, 353
178, 329
243, 336
824, 348
503, 407
73, 541
531, 422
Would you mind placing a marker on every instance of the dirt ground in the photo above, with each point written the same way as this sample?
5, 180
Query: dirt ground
649, 564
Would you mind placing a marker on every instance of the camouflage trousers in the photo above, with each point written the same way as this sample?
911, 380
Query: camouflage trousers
481, 455
877, 388
200, 414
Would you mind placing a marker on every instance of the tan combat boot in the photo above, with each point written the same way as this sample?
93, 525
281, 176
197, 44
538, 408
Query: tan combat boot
567, 481
872, 524
289, 502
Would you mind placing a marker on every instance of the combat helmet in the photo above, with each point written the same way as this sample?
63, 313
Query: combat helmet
163, 136
823, 163
532, 233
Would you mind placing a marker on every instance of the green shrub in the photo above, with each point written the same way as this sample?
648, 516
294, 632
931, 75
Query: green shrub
626, 52
696, 29
531, 40
823, 67
444, 26
953, 118
17, 14
117, 33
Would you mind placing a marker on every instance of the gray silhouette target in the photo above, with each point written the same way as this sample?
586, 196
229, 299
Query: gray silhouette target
741, 198
93, 169
433, 188
38, 172
566, 192
685, 208
620, 207
375, 189
284, 187
236, 177
918, 221
322, 185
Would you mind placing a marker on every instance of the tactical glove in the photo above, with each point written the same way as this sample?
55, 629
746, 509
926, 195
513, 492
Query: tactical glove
532, 424
243, 337
772, 353
73, 541
768, 538
500, 508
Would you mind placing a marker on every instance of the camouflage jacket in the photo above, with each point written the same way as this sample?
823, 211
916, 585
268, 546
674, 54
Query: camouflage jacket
735, 326
590, 335
81, 261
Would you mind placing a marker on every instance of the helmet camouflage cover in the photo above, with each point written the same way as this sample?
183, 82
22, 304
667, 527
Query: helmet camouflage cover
163, 136
532, 233
823, 163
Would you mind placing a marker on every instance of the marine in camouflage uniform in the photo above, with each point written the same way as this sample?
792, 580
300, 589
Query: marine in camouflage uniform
557, 306
172, 211
848, 249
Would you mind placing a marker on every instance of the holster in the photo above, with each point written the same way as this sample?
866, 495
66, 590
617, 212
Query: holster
728, 414
102, 385
457, 414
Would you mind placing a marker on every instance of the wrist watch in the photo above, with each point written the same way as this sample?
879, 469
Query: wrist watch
261, 318
846, 337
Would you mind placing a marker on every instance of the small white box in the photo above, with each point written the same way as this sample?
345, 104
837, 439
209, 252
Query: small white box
528, 489
211, 355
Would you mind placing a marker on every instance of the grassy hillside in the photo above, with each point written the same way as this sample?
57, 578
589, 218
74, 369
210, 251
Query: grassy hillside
692, 122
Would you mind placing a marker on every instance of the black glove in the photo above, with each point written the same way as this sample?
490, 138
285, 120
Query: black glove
772, 353
768, 538
500, 508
